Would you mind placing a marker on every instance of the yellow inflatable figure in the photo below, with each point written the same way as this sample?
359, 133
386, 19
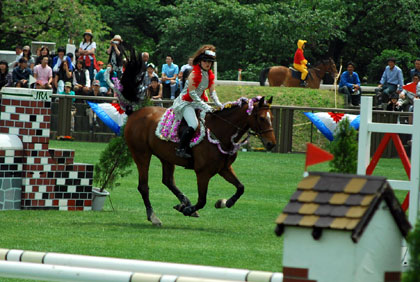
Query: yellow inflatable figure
299, 61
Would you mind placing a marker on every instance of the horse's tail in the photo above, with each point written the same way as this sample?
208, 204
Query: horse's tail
263, 76
132, 76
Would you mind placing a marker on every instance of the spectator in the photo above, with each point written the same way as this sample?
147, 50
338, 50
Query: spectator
63, 75
406, 97
19, 53
115, 52
68, 91
43, 74
169, 78
416, 69
184, 72
61, 56
87, 50
44, 52
154, 91
81, 79
150, 73
28, 55
391, 81
104, 76
393, 103
21, 74
350, 85
89, 112
145, 57
5, 77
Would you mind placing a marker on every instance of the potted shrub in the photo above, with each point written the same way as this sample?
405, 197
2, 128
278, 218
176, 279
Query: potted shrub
114, 162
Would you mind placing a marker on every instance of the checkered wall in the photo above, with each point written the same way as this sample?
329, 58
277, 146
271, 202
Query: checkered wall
50, 178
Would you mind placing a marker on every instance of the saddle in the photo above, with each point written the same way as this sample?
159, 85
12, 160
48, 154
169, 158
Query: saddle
297, 74
170, 129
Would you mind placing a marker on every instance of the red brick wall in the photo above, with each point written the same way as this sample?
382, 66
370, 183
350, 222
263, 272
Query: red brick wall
51, 180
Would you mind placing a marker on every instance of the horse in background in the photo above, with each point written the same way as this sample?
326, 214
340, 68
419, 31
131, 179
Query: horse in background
280, 75
213, 155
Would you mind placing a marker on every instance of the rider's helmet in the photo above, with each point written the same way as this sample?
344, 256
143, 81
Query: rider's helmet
205, 53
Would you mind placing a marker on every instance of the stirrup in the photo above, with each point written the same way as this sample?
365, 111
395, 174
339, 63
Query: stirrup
182, 153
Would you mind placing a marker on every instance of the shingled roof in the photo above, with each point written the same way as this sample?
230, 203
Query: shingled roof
339, 201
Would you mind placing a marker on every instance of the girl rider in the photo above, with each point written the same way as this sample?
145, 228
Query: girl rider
193, 95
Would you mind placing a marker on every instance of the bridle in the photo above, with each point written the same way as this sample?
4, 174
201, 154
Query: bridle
250, 131
237, 145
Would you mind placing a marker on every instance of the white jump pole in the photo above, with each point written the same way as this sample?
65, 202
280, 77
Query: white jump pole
35, 271
162, 268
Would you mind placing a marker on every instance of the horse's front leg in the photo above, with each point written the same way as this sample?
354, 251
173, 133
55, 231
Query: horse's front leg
203, 183
229, 175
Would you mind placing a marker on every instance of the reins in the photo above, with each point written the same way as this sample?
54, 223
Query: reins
237, 145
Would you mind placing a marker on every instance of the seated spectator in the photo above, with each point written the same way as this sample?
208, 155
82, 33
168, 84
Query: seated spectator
169, 78
393, 103
57, 60
19, 53
391, 82
154, 91
21, 74
150, 73
5, 76
81, 79
89, 112
28, 55
115, 52
62, 76
185, 69
104, 76
68, 91
44, 52
407, 97
43, 75
350, 85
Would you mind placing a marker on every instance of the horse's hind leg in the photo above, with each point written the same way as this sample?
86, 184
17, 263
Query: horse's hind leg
169, 181
229, 175
143, 162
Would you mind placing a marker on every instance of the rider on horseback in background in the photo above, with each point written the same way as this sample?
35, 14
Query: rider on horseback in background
299, 62
193, 95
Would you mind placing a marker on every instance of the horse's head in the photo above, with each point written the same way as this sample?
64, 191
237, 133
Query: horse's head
330, 67
261, 122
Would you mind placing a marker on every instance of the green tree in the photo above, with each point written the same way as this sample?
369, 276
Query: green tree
59, 21
344, 148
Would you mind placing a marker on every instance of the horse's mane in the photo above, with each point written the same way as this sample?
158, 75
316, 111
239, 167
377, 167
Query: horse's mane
132, 76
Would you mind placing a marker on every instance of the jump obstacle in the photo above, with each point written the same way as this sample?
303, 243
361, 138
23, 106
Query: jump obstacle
32, 175
90, 268
366, 166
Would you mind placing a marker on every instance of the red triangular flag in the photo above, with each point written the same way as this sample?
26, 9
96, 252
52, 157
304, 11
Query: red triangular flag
411, 87
315, 155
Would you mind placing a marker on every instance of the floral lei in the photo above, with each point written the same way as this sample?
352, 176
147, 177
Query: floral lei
236, 145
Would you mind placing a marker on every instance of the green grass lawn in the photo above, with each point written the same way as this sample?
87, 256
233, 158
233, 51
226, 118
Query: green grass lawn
240, 237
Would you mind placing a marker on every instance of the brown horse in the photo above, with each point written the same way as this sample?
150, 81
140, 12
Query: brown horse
227, 125
280, 75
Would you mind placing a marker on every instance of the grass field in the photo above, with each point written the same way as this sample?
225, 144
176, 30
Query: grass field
240, 237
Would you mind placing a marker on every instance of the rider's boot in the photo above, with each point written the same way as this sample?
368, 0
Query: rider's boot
186, 136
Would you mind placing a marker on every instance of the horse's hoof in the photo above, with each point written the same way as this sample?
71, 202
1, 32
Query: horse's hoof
155, 220
188, 211
220, 204
195, 214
